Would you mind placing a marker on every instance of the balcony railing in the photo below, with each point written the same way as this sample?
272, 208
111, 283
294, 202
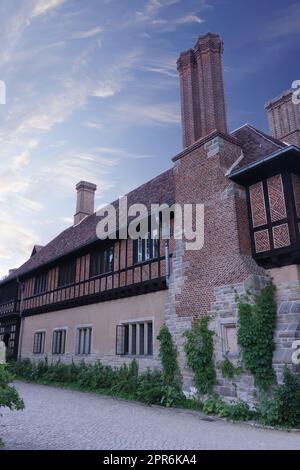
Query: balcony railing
8, 308
144, 277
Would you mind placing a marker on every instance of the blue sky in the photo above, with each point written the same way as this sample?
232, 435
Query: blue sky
92, 93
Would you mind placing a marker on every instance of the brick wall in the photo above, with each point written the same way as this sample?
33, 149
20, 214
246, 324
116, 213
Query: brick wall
203, 107
226, 255
284, 118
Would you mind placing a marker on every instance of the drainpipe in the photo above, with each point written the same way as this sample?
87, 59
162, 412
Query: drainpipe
21, 287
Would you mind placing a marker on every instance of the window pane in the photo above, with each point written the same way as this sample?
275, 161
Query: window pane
40, 285
133, 346
142, 339
150, 339
126, 339
67, 274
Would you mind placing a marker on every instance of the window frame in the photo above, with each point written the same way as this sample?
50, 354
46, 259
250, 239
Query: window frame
41, 344
54, 344
78, 333
100, 264
62, 270
123, 347
37, 283
145, 248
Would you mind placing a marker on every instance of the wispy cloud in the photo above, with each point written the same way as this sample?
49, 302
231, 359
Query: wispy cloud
285, 24
173, 23
151, 114
42, 7
88, 34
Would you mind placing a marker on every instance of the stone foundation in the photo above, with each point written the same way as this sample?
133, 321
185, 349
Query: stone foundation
224, 314
287, 281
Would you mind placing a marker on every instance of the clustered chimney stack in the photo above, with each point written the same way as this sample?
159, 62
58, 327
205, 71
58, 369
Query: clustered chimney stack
284, 118
203, 107
85, 200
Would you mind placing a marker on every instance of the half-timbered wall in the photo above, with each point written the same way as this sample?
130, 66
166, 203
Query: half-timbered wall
269, 216
125, 274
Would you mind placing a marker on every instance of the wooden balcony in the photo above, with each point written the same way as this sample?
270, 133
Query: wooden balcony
142, 278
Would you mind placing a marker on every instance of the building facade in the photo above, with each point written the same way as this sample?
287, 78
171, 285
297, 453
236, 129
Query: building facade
80, 297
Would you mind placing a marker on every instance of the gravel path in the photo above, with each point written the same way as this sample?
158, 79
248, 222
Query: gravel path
64, 419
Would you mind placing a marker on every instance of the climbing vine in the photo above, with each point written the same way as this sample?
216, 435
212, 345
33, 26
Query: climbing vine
168, 359
228, 369
199, 349
256, 325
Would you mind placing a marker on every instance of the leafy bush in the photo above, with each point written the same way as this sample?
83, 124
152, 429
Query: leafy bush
256, 326
149, 387
284, 408
9, 396
199, 349
228, 369
237, 411
168, 359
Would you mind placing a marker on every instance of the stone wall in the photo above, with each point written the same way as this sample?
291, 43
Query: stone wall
224, 315
287, 281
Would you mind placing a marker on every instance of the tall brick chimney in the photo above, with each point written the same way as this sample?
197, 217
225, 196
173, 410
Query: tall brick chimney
203, 107
284, 118
85, 200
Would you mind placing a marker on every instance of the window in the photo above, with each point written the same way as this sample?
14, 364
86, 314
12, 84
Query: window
67, 274
135, 339
39, 342
59, 342
146, 248
40, 284
102, 262
84, 341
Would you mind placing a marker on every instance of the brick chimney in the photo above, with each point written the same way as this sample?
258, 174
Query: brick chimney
203, 107
85, 200
284, 118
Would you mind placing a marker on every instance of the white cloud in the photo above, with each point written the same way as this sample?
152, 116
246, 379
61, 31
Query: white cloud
187, 19
121, 153
29, 204
88, 34
42, 7
94, 125
161, 114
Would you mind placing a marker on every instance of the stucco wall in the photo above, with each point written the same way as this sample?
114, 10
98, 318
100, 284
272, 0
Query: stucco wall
103, 317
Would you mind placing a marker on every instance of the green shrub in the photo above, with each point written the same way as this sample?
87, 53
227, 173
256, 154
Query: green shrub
256, 326
199, 349
237, 411
150, 387
9, 396
168, 359
127, 379
228, 369
284, 408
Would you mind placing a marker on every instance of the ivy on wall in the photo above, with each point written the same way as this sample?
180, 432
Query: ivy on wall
168, 359
199, 350
256, 325
228, 369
